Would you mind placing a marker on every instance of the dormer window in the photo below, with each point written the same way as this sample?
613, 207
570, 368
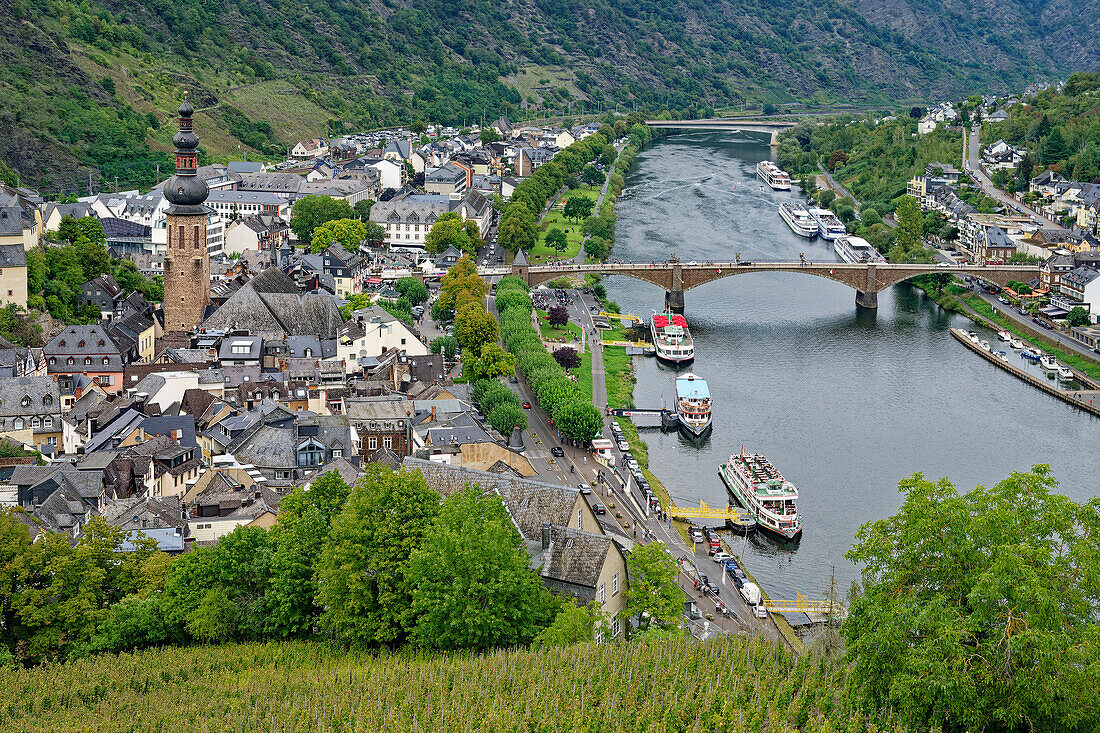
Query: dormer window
26, 402
81, 344
101, 342
71, 362
87, 361
47, 400
105, 361
61, 342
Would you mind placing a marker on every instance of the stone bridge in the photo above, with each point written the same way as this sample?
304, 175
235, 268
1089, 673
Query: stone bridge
771, 128
867, 279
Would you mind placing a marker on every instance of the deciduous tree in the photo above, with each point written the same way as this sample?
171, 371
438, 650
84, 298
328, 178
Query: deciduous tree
312, 211
348, 233
567, 357
413, 290
518, 228
474, 588
653, 597
556, 238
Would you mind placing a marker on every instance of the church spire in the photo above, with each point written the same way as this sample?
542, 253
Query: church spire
185, 191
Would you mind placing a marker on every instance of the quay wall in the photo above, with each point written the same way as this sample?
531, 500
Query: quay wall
1072, 398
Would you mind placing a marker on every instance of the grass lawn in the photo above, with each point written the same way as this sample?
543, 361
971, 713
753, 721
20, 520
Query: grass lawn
554, 219
568, 332
619, 377
583, 373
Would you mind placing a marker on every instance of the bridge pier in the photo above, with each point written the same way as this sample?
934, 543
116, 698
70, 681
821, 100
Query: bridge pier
867, 299
674, 301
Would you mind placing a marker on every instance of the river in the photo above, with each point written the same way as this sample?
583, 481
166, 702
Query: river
844, 403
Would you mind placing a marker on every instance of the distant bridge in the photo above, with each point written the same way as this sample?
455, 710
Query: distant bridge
772, 128
677, 277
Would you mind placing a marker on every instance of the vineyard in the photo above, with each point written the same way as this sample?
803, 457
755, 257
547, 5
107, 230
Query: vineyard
656, 686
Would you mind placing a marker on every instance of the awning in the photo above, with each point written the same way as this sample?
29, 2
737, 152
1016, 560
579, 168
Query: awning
374, 280
1053, 311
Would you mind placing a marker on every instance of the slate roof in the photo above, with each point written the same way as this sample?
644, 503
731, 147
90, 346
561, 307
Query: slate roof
12, 255
1080, 277
11, 222
575, 556
270, 305
159, 511
529, 502
44, 394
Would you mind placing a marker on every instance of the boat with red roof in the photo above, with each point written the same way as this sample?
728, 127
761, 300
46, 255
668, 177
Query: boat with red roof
671, 338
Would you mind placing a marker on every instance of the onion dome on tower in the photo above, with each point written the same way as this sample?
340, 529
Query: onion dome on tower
185, 190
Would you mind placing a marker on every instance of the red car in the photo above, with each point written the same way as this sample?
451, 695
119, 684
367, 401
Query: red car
527, 405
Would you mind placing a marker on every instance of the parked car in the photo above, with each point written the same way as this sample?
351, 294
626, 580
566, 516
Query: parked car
722, 557
584, 488
557, 451
623, 445
712, 587
598, 509
526, 405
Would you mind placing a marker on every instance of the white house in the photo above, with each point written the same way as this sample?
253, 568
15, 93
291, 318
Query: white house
370, 332
926, 125
312, 148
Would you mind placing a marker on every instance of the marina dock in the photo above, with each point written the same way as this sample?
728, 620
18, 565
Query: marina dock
1081, 399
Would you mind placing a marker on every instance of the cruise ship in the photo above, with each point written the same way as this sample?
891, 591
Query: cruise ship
671, 338
693, 403
773, 175
828, 225
760, 489
798, 219
856, 250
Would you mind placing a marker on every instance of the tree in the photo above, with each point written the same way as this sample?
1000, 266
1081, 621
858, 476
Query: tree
366, 586
837, 158
518, 228
305, 519
978, 611
825, 197
578, 207
475, 328
490, 363
86, 228
489, 135
556, 238
769, 108
558, 315
1055, 148
348, 233
592, 176
567, 357
869, 216
652, 596
596, 248
413, 290
312, 211
362, 209
909, 232
449, 230
845, 210
1078, 316
419, 126
473, 587
916, 112
446, 345
573, 624
374, 234
600, 226
507, 416
578, 419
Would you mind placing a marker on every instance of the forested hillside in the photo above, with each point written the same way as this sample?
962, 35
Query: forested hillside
88, 87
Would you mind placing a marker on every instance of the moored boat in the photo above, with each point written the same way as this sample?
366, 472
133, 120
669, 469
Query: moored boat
1048, 362
761, 489
1064, 374
798, 219
855, 250
773, 175
1031, 354
1004, 335
1016, 344
672, 340
829, 226
693, 403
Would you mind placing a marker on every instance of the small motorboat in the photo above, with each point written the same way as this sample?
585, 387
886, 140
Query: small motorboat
1016, 344
1002, 356
1048, 362
1065, 375
973, 336
1031, 354
984, 344
1004, 335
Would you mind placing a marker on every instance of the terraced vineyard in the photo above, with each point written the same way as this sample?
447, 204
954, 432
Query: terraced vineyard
656, 686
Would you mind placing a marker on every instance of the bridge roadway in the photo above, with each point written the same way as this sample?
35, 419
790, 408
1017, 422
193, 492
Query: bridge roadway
772, 128
677, 277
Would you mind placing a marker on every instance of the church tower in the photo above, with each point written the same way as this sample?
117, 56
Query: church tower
186, 263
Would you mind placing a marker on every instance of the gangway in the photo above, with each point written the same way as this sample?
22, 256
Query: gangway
629, 317
802, 604
733, 514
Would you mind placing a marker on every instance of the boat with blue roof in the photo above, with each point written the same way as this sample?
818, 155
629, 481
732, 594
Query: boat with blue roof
693, 403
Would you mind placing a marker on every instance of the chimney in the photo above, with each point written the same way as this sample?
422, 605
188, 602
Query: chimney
433, 413
546, 535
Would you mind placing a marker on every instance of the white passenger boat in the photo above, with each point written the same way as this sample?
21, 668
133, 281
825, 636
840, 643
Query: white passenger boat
798, 219
1065, 374
1048, 362
759, 488
773, 175
671, 338
693, 403
1004, 335
829, 226
855, 250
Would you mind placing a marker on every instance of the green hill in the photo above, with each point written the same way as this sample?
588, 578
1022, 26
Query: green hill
88, 87
675, 685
